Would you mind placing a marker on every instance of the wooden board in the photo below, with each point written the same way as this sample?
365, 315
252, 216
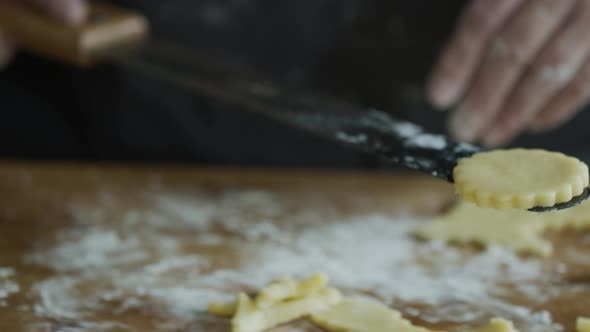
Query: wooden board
105, 248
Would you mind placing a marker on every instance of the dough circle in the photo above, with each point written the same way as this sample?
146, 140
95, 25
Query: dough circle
520, 178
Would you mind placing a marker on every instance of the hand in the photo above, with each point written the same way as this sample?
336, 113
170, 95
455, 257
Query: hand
68, 11
514, 65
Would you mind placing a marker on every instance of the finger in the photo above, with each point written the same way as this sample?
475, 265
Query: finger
507, 57
460, 58
554, 68
73, 12
567, 103
6, 50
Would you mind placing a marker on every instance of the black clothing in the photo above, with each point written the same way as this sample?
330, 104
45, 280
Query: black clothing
376, 53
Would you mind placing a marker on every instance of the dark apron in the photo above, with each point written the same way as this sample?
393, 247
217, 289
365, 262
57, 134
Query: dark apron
376, 53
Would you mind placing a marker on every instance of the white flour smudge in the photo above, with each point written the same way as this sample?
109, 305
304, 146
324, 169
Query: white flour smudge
354, 139
8, 287
428, 141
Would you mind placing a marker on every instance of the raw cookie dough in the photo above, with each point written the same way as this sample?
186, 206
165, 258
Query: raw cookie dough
278, 303
286, 288
576, 218
360, 315
583, 324
498, 325
520, 178
250, 318
466, 223
286, 300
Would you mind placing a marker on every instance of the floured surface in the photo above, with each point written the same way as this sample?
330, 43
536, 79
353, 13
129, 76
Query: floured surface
7, 285
137, 251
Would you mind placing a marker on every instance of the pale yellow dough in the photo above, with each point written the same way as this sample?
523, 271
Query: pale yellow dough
286, 300
466, 223
497, 325
583, 324
250, 318
286, 288
511, 228
520, 178
360, 315
577, 218
280, 302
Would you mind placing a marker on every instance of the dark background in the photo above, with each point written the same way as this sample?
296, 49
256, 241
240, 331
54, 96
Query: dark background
372, 52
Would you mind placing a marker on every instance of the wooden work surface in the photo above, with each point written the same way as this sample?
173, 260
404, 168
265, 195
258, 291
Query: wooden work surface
122, 221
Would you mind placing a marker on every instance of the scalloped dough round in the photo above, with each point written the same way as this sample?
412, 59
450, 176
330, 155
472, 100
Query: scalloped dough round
520, 178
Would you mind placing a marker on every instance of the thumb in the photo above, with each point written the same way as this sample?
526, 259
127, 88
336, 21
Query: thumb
72, 12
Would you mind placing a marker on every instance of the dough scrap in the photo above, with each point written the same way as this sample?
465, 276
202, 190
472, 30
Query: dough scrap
465, 223
223, 309
280, 302
516, 229
583, 324
250, 318
576, 218
361, 315
287, 300
286, 288
520, 178
498, 325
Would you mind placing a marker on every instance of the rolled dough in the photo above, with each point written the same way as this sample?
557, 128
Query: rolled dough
583, 324
511, 228
520, 178
361, 315
250, 318
466, 223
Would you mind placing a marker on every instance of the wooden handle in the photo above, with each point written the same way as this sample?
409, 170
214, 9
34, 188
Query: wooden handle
108, 27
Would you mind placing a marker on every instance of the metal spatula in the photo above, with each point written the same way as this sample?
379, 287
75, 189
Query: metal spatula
121, 36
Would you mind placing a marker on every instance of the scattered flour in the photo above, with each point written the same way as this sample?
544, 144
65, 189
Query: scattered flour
428, 141
7, 286
154, 258
354, 139
409, 133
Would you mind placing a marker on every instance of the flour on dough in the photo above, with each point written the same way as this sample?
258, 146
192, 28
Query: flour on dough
466, 223
583, 324
361, 315
520, 178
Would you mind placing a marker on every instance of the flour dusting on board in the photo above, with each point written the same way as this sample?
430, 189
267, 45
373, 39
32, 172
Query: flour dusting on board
153, 258
7, 286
